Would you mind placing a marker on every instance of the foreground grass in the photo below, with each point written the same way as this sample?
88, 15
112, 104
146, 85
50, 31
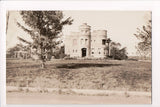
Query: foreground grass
81, 74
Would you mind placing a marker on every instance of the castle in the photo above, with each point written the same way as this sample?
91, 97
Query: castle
85, 43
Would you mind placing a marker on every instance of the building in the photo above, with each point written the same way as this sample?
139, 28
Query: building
85, 43
21, 54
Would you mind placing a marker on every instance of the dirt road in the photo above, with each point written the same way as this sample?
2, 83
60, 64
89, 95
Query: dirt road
46, 98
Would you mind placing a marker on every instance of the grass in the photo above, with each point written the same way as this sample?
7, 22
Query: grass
81, 74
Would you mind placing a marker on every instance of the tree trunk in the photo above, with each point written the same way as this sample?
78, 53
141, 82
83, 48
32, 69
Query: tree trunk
43, 64
108, 50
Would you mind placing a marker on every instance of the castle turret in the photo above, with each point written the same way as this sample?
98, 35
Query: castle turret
85, 31
98, 47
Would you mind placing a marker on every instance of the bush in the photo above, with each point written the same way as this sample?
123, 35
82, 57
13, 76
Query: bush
117, 53
59, 53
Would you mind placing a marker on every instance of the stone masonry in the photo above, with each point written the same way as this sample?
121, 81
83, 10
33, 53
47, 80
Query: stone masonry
85, 43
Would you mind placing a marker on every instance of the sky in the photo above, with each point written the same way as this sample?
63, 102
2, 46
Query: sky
120, 25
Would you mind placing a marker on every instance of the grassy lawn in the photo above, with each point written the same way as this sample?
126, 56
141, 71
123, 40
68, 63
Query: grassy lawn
81, 74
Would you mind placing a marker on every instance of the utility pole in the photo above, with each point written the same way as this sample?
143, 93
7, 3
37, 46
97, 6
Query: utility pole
7, 21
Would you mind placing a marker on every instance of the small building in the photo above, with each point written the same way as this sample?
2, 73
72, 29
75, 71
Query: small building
21, 54
85, 43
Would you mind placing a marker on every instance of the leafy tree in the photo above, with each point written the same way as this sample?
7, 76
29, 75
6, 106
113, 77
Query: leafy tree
108, 48
145, 37
45, 27
116, 52
59, 53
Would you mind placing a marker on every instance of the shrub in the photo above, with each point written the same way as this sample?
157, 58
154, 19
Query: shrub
59, 53
116, 52
119, 54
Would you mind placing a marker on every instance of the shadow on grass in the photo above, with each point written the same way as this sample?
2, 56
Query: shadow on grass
23, 66
84, 65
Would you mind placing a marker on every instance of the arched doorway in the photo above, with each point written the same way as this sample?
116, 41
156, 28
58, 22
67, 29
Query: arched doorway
84, 51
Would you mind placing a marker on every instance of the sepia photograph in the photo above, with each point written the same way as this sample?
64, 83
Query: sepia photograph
78, 57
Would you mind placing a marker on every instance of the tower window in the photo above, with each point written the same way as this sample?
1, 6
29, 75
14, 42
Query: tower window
81, 41
86, 41
103, 41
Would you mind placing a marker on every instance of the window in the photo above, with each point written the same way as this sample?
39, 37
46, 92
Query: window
99, 50
103, 41
92, 50
74, 51
84, 31
86, 41
104, 51
74, 41
81, 41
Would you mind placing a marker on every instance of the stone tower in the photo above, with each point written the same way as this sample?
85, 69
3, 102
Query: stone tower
85, 40
98, 45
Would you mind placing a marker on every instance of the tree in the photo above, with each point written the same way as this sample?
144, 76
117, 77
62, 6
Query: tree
116, 52
145, 37
59, 53
108, 42
45, 27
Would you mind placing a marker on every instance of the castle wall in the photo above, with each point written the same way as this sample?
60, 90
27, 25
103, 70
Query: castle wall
72, 46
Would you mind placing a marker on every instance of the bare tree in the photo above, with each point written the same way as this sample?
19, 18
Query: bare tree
145, 37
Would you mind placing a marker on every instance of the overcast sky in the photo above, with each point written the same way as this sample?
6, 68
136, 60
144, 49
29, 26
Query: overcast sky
120, 25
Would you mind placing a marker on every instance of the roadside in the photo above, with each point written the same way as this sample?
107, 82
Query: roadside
47, 98
88, 92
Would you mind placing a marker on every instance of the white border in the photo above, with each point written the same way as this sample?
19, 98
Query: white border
147, 5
